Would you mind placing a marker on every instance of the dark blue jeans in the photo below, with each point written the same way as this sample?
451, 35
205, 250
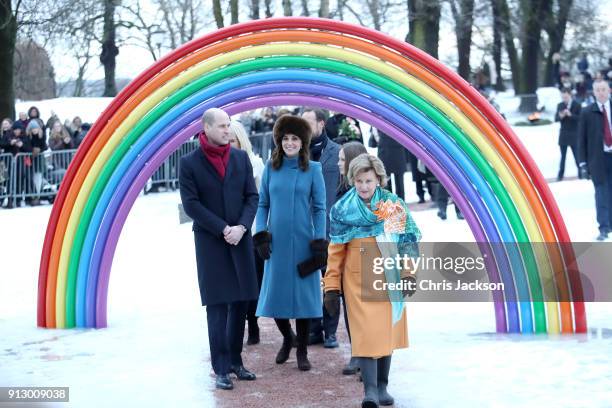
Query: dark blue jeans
225, 333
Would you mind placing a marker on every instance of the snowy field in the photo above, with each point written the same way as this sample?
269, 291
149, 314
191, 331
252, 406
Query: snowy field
155, 351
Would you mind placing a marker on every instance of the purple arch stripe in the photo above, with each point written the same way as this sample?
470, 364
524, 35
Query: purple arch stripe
176, 140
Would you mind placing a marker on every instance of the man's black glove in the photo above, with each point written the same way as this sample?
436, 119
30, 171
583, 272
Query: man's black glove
409, 286
262, 241
331, 300
583, 172
318, 260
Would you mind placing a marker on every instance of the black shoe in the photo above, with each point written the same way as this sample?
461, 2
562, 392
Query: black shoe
421, 200
330, 341
460, 216
283, 353
223, 382
302, 361
315, 338
559, 178
442, 214
351, 368
602, 236
253, 334
243, 374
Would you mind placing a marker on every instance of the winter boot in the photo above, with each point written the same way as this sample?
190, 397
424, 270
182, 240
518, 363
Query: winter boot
384, 365
369, 368
285, 329
302, 344
253, 331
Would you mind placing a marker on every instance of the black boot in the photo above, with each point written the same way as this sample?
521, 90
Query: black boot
384, 365
369, 375
352, 367
285, 329
302, 344
253, 331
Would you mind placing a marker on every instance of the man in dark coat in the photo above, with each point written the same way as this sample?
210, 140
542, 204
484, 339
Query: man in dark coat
394, 157
325, 151
595, 153
218, 192
568, 113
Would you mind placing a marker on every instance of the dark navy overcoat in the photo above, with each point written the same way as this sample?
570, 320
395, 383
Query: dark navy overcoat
226, 273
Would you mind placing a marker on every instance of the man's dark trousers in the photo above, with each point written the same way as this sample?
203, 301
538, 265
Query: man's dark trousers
225, 334
603, 197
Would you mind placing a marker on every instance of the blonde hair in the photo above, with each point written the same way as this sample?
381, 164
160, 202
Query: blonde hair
366, 162
242, 138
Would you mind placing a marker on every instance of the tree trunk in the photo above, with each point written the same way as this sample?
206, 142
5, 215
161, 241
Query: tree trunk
254, 10
506, 28
287, 10
424, 25
268, 4
340, 9
374, 7
8, 36
218, 13
497, 47
324, 9
533, 15
464, 18
108, 57
555, 28
234, 11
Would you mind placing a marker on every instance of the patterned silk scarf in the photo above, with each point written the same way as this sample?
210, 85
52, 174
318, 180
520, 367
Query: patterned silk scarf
388, 220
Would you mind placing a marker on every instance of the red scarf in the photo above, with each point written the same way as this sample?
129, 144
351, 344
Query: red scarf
218, 156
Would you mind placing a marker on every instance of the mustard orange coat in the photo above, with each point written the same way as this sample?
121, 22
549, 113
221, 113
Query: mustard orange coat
373, 333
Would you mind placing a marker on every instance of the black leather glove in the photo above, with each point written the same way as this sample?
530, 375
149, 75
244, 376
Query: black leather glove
583, 172
331, 301
317, 261
409, 292
262, 241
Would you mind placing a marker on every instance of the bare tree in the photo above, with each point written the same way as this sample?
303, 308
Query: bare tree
254, 10
8, 39
268, 5
554, 24
324, 9
305, 11
108, 57
218, 13
424, 25
287, 9
26, 20
497, 46
234, 11
464, 19
370, 13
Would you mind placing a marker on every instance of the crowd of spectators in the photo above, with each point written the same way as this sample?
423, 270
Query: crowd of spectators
29, 134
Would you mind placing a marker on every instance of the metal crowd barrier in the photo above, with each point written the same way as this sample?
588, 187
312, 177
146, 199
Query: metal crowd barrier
6, 161
30, 177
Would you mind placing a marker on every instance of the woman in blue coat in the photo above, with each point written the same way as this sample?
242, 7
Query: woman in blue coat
290, 225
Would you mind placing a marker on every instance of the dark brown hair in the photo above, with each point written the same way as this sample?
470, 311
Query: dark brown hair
351, 150
296, 126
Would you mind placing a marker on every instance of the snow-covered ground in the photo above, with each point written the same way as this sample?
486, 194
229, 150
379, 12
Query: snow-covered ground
155, 351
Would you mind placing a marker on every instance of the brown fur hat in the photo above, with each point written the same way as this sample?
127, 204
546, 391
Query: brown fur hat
294, 125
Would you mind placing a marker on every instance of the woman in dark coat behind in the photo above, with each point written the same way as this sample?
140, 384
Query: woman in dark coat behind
393, 156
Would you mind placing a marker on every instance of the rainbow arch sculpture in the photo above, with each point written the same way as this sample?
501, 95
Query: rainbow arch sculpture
343, 67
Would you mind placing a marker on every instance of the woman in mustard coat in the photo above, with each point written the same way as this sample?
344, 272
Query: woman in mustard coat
368, 223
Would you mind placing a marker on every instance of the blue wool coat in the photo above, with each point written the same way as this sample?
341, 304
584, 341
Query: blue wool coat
292, 209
